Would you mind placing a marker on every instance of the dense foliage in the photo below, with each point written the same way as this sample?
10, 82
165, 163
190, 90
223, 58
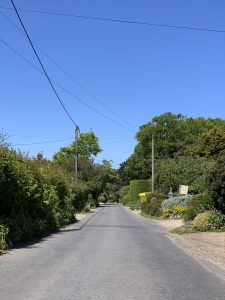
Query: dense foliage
152, 205
185, 151
36, 197
137, 187
39, 196
188, 151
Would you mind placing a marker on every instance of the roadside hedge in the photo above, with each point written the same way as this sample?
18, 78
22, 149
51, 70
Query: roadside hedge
137, 187
36, 197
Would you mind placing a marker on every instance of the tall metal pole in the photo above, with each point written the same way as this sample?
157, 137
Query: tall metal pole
153, 166
76, 152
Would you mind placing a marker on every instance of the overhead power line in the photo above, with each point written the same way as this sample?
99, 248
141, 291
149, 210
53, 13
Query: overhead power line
40, 143
42, 66
69, 75
132, 22
67, 138
64, 89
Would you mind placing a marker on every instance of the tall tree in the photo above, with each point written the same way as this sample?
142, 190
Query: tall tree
88, 148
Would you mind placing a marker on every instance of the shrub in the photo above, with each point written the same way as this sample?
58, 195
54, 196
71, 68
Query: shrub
125, 199
202, 221
101, 198
134, 205
37, 197
180, 201
167, 212
137, 187
143, 197
152, 208
216, 182
174, 212
3, 233
152, 205
201, 201
125, 195
80, 196
190, 213
209, 221
217, 220
124, 191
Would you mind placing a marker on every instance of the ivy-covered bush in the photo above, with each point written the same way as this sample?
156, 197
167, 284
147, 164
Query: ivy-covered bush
179, 200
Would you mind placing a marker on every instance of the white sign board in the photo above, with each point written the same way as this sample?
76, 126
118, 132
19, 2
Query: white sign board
183, 189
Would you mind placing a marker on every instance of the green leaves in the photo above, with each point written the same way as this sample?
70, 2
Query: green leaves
88, 148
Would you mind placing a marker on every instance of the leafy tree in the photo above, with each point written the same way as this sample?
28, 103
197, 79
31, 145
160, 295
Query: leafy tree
183, 170
88, 148
216, 183
175, 136
210, 144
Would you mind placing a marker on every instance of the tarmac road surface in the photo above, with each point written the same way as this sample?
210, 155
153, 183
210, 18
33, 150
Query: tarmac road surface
112, 254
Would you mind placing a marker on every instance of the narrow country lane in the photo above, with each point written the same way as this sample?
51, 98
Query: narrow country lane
115, 255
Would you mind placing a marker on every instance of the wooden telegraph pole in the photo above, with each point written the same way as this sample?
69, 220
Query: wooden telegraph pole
76, 152
153, 166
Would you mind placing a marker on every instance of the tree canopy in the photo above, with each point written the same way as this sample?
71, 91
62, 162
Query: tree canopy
88, 148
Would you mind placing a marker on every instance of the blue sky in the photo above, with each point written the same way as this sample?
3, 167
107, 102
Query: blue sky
138, 72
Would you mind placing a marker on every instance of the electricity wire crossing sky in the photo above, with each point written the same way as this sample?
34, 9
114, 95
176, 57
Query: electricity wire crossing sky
114, 65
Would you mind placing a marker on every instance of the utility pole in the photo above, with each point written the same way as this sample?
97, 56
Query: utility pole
153, 167
76, 152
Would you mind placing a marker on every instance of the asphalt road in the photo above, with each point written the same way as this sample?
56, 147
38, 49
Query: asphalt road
115, 255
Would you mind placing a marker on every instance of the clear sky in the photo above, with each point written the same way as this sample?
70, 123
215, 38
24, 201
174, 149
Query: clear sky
137, 71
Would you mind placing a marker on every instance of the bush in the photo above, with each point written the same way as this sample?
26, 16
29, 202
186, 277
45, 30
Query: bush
202, 221
190, 213
137, 187
179, 201
217, 221
134, 205
201, 201
125, 199
152, 206
124, 191
143, 197
101, 198
174, 212
209, 221
125, 195
3, 234
216, 182
80, 196
37, 197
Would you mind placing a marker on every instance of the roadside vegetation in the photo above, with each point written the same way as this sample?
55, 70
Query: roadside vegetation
38, 196
187, 152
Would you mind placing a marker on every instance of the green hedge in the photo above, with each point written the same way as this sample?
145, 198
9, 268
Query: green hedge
36, 197
137, 187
